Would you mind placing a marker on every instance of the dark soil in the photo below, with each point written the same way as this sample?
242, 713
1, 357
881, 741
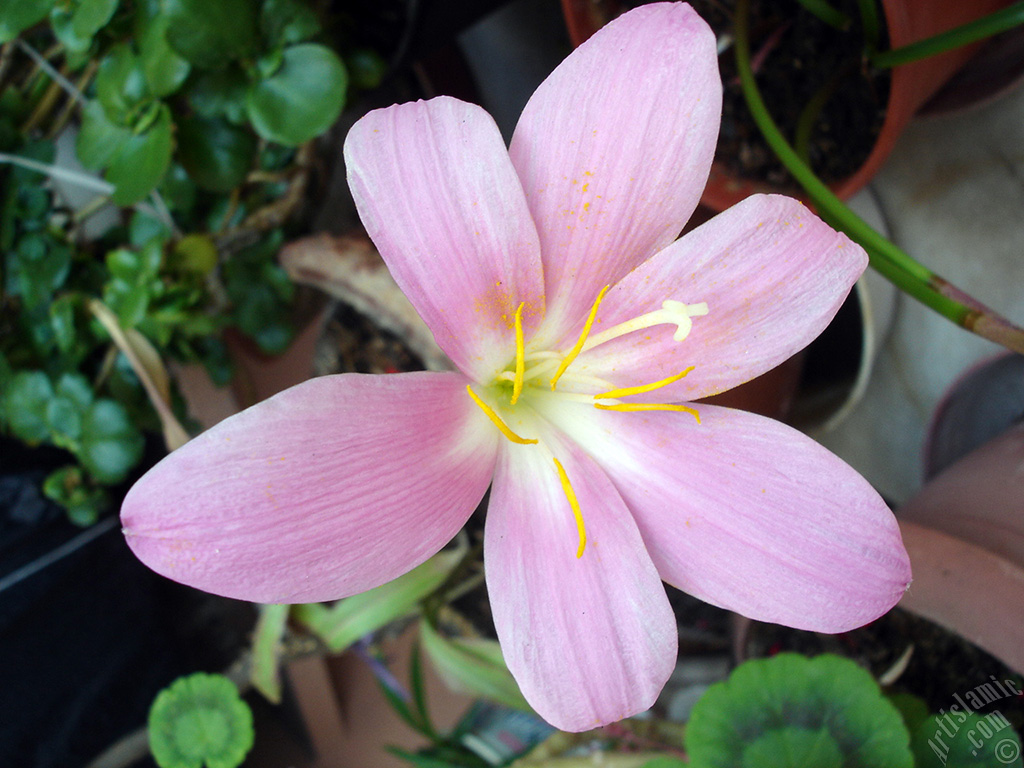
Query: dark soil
796, 56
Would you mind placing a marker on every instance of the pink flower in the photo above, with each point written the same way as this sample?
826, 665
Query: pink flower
567, 399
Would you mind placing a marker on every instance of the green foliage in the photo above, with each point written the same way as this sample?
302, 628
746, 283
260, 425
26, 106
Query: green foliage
200, 720
961, 739
789, 711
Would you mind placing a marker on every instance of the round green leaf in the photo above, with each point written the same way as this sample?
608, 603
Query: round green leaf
111, 445
99, 138
366, 68
164, 70
75, 388
963, 739
65, 422
302, 99
788, 691
216, 154
791, 747
69, 488
220, 93
284, 22
141, 162
200, 720
194, 254
90, 16
121, 85
25, 403
211, 33
19, 15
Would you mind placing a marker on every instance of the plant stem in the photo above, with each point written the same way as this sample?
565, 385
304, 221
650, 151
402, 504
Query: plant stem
994, 23
870, 24
887, 258
827, 13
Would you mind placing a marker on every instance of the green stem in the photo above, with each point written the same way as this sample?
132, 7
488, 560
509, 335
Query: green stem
888, 259
870, 24
827, 13
994, 23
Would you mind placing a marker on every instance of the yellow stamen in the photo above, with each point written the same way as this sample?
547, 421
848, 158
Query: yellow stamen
567, 360
497, 420
630, 407
638, 390
570, 494
517, 382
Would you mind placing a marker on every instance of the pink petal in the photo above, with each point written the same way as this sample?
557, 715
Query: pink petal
590, 640
750, 515
772, 274
437, 193
615, 146
330, 488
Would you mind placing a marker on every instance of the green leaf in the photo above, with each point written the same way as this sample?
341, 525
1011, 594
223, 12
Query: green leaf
143, 228
62, 21
216, 154
164, 70
772, 696
99, 138
65, 423
111, 445
62, 322
211, 33
793, 747
121, 85
964, 739
302, 99
141, 162
42, 266
220, 93
340, 625
75, 387
474, 666
285, 22
665, 762
266, 650
18, 15
366, 68
25, 404
194, 254
200, 720
90, 16
69, 488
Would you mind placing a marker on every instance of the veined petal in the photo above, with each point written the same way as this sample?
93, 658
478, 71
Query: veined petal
750, 515
614, 149
330, 488
437, 194
772, 274
589, 639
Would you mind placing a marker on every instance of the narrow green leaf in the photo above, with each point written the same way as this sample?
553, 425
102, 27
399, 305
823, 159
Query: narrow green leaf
266, 651
473, 665
348, 620
302, 99
419, 693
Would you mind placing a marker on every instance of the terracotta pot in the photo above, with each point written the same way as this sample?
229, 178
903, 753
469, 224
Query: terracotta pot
912, 84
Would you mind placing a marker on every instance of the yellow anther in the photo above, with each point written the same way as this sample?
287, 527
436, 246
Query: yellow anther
517, 382
497, 420
630, 407
639, 390
570, 494
567, 360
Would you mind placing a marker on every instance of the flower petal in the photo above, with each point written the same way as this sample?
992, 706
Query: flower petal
750, 515
615, 146
590, 640
330, 488
437, 194
773, 276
